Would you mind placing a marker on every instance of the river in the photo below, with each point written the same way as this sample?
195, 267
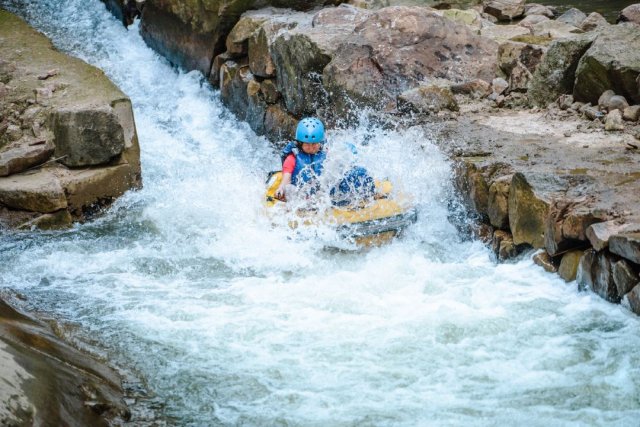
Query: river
231, 321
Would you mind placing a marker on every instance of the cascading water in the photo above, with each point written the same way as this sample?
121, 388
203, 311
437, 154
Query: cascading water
232, 322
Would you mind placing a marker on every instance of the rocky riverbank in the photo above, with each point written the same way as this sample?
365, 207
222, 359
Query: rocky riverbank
538, 109
68, 143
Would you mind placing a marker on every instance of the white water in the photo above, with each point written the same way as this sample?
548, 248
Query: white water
232, 323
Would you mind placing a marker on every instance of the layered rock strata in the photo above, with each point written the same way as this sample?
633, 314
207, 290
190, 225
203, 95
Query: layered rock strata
68, 142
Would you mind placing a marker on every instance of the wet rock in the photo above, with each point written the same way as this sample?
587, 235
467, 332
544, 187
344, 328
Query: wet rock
573, 16
600, 233
610, 64
613, 121
555, 30
504, 10
87, 137
616, 102
595, 272
279, 125
473, 187
593, 21
427, 100
545, 261
569, 265
627, 245
527, 213
476, 88
260, 55
532, 20
503, 246
256, 107
234, 78
538, 9
632, 113
632, 300
51, 221
556, 73
630, 14
625, 276
237, 42
566, 225
40, 191
498, 202
269, 91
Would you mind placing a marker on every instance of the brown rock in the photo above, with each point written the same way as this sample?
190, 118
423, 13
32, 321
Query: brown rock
51, 221
237, 41
269, 91
631, 114
532, 20
565, 226
216, 66
603, 101
498, 202
569, 265
279, 125
627, 245
633, 300
505, 10
527, 213
538, 9
625, 277
473, 187
595, 272
545, 261
592, 21
518, 61
39, 191
600, 233
503, 246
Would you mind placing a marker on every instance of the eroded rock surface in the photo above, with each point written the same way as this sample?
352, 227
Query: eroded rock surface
62, 118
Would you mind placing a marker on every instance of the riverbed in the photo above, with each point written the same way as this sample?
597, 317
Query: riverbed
232, 321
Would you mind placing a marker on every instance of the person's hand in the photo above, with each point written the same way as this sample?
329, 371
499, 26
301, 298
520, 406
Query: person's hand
280, 193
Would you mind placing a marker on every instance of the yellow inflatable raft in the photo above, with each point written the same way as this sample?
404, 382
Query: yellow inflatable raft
369, 224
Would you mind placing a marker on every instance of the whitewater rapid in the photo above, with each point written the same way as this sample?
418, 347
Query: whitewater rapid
231, 321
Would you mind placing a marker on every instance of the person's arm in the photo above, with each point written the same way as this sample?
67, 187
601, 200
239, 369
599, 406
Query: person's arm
288, 166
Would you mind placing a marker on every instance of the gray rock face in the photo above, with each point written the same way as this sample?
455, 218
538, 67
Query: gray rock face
556, 73
504, 10
626, 245
87, 137
609, 63
573, 17
633, 300
625, 276
537, 9
630, 14
593, 21
595, 272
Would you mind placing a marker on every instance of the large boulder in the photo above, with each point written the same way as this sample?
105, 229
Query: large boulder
610, 63
398, 48
556, 73
626, 245
596, 273
191, 33
65, 107
527, 212
630, 14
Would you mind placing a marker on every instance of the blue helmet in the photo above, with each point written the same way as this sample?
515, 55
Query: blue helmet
310, 130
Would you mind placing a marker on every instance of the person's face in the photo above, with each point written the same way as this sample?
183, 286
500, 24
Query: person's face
310, 148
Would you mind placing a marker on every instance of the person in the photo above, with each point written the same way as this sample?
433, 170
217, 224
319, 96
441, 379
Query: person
303, 163
303, 159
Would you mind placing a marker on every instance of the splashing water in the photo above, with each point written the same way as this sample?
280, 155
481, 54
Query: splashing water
232, 323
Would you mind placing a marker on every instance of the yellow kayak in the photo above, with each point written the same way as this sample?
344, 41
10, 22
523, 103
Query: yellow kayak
369, 224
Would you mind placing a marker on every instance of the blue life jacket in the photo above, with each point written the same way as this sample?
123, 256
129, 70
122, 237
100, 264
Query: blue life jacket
308, 166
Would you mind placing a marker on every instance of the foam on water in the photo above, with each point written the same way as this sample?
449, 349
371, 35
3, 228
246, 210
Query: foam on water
232, 321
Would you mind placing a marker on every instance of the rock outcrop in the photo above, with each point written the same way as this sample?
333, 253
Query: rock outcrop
47, 382
68, 142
